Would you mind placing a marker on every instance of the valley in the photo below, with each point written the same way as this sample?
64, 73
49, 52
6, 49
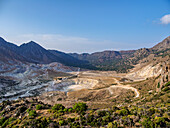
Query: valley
24, 77
85, 64
33, 90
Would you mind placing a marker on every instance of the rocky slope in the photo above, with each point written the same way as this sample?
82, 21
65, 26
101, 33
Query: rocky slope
30, 69
122, 61
23, 80
32, 52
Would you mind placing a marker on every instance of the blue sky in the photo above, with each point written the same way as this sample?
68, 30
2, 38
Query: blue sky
85, 25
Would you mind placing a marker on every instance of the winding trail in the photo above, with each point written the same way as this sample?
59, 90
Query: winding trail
119, 85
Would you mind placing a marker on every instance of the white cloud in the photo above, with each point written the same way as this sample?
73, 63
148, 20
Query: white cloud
165, 19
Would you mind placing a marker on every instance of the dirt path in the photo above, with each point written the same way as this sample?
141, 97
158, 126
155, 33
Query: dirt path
119, 85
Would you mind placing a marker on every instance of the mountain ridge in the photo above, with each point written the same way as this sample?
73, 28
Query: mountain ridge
120, 61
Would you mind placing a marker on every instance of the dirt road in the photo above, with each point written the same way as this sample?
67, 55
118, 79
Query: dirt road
119, 85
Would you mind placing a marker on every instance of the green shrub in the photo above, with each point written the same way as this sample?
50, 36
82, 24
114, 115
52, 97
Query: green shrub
22, 109
60, 111
32, 113
101, 113
110, 125
167, 77
167, 84
160, 122
58, 107
90, 118
61, 122
151, 111
7, 122
1, 108
158, 85
3, 112
147, 123
69, 120
28, 110
75, 125
39, 107
80, 107
17, 121
122, 112
165, 89
2, 120
114, 108
107, 118
65, 110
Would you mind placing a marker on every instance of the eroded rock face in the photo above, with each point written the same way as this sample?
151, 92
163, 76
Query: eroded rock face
24, 80
147, 71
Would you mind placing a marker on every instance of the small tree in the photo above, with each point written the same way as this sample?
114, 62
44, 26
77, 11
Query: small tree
147, 123
39, 106
61, 122
32, 113
80, 107
167, 77
123, 112
160, 122
158, 85
167, 84
70, 110
58, 107
110, 125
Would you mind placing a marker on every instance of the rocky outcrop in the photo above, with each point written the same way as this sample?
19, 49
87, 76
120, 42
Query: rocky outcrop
146, 71
165, 44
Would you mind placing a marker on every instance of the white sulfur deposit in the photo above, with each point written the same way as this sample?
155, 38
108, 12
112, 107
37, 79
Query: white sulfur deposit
145, 72
75, 84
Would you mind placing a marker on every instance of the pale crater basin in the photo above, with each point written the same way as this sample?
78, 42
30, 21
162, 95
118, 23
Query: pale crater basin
74, 84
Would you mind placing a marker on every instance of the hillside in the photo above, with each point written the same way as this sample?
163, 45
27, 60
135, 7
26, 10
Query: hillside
122, 61
32, 52
34, 93
95, 107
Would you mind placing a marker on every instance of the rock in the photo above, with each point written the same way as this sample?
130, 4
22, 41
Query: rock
150, 91
138, 124
8, 108
20, 117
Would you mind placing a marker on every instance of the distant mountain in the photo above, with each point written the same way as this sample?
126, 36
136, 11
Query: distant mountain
8, 45
32, 52
37, 54
9, 52
70, 60
121, 61
107, 60
165, 44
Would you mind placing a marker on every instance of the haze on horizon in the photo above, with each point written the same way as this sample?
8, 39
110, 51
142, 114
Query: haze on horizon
86, 25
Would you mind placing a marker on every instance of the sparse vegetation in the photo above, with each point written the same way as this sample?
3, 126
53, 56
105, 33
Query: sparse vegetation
58, 107
79, 116
39, 107
158, 85
32, 113
80, 107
